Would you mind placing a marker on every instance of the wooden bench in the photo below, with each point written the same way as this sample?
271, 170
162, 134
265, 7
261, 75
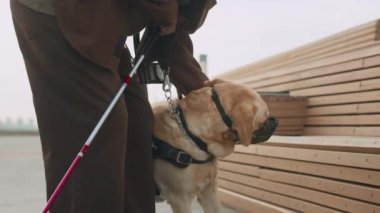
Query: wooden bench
335, 165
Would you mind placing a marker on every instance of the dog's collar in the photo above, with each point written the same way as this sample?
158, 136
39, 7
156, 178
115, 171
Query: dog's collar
226, 119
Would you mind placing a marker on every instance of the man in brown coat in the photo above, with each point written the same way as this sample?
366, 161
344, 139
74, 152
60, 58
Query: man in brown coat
68, 51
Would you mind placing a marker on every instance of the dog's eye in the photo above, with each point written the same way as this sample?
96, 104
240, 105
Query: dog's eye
235, 136
230, 135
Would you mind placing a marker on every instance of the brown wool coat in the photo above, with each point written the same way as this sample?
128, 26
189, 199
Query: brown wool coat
94, 27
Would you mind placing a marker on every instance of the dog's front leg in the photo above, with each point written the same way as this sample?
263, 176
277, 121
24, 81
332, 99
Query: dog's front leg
180, 204
209, 199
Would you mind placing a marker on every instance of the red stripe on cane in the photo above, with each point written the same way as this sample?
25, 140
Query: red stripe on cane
84, 148
127, 80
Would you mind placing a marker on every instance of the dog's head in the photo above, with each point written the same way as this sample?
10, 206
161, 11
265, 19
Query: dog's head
247, 111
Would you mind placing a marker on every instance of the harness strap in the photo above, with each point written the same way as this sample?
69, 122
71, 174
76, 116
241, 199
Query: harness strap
177, 157
202, 145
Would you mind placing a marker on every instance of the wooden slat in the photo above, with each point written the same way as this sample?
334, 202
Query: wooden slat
370, 50
291, 121
357, 97
315, 72
280, 105
349, 130
346, 189
335, 41
278, 199
247, 204
338, 172
344, 120
344, 109
329, 51
294, 132
357, 86
283, 56
287, 112
360, 160
336, 49
286, 107
326, 80
289, 132
247, 77
284, 97
333, 143
284, 128
317, 197
372, 61
340, 37
239, 168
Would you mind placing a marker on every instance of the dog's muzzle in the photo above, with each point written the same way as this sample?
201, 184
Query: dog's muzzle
265, 132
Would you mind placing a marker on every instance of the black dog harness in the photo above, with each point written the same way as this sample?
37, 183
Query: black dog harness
178, 157
175, 156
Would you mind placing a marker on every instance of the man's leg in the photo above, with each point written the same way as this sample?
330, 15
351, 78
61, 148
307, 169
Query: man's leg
139, 186
70, 94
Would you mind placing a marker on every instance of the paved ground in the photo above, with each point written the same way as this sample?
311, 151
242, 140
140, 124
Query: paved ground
22, 187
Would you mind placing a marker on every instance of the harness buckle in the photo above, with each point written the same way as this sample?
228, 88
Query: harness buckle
183, 158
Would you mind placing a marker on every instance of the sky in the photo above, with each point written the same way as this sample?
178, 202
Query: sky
236, 33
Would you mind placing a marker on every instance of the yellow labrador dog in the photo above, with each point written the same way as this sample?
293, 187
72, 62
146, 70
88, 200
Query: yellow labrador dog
205, 126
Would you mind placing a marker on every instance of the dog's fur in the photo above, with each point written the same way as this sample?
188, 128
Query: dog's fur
179, 186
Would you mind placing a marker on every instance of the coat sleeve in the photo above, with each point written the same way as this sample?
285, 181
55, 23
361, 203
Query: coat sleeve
159, 12
185, 72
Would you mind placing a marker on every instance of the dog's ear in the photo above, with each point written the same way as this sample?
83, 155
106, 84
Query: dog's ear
213, 82
240, 104
243, 117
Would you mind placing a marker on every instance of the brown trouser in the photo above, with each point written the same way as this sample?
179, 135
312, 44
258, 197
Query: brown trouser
70, 93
